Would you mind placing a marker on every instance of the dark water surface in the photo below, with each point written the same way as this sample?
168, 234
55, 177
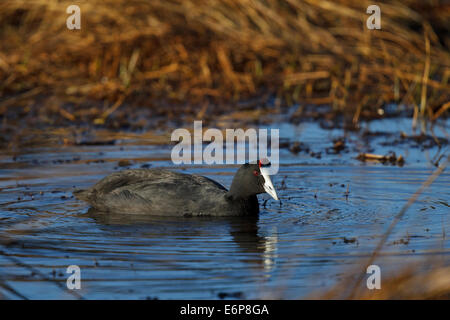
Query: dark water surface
295, 248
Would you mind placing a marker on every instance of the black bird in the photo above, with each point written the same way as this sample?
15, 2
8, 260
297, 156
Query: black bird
166, 193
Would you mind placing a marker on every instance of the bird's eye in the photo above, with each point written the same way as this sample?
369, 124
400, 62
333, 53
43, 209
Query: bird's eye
256, 172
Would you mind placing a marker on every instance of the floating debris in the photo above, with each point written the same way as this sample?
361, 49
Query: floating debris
391, 157
401, 241
297, 147
124, 163
338, 146
236, 295
350, 240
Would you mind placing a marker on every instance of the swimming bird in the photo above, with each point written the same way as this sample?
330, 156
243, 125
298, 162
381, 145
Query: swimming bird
167, 193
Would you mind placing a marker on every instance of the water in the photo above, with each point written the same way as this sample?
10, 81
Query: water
333, 211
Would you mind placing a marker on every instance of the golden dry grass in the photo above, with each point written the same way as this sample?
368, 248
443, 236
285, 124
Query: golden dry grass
413, 282
136, 51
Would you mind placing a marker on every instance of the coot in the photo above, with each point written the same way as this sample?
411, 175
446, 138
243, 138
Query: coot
163, 192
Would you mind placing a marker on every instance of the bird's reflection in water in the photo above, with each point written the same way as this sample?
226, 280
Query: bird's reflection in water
243, 231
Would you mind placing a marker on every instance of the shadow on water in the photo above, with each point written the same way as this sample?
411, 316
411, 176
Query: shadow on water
243, 230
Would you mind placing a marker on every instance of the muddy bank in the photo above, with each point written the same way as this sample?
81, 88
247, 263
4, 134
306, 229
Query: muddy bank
33, 129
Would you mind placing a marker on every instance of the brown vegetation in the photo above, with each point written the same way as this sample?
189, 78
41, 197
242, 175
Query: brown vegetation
414, 282
194, 52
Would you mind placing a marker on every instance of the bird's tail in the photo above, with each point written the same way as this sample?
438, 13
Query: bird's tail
82, 194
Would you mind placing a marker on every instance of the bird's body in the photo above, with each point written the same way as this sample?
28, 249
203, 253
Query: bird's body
168, 193
160, 192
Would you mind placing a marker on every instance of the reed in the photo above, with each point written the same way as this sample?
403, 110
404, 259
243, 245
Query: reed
190, 51
419, 281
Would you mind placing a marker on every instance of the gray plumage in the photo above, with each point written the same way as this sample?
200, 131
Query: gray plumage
167, 193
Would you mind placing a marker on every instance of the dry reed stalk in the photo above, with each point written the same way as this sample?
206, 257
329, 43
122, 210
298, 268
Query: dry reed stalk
397, 218
225, 50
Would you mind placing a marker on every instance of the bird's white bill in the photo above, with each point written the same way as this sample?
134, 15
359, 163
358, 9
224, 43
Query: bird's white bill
268, 186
